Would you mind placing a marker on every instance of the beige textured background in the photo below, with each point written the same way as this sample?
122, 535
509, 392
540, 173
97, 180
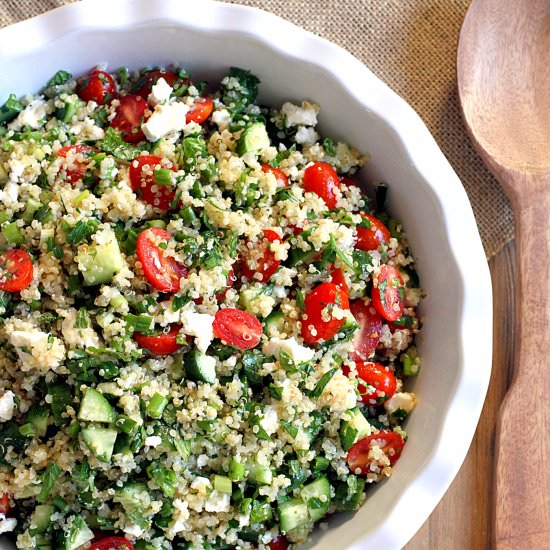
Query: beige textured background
411, 45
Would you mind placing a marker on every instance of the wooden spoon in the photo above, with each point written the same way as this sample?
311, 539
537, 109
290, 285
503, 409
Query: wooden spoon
504, 88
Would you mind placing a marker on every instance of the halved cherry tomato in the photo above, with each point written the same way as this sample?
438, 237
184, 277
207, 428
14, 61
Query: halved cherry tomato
149, 79
98, 86
280, 176
142, 180
159, 344
76, 160
373, 237
337, 277
370, 328
200, 110
381, 380
321, 178
162, 271
317, 321
4, 504
16, 270
388, 293
237, 328
358, 457
263, 267
129, 115
280, 543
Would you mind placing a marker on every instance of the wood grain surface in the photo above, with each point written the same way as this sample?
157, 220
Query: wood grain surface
462, 520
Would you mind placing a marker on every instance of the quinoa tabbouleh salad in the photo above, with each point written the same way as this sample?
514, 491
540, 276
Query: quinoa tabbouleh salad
204, 323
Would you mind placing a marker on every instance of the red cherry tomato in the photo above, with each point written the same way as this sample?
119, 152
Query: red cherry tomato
321, 178
390, 442
76, 160
16, 270
162, 271
98, 86
200, 110
261, 269
381, 382
319, 324
129, 115
370, 328
280, 176
159, 344
337, 277
112, 543
372, 238
4, 504
142, 180
237, 328
388, 293
149, 79
280, 543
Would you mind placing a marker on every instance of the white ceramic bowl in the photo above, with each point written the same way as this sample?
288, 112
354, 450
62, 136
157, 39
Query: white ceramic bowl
208, 37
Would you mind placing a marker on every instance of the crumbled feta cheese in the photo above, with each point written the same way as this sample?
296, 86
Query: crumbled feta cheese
402, 400
166, 118
30, 116
306, 115
7, 524
77, 337
153, 441
160, 92
7, 406
201, 484
270, 421
221, 118
198, 325
306, 135
296, 351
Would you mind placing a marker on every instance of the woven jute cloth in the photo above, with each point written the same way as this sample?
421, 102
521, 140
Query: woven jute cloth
411, 45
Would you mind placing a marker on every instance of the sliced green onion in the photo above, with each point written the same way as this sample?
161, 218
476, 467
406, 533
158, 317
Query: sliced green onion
156, 405
126, 425
163, 177
84, 195
236, 470
140, 323
119, 303
223, 484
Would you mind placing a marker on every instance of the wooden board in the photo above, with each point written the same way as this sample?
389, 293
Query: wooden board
462, 520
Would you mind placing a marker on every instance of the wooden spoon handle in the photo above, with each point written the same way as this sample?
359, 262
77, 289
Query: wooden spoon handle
522, 491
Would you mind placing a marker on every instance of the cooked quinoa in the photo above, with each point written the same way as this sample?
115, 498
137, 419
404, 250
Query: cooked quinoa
205, 324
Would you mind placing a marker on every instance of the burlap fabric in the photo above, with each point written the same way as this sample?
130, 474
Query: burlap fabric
411, 45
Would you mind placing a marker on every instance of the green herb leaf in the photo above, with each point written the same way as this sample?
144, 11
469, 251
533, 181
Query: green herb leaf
48, 479
114, 144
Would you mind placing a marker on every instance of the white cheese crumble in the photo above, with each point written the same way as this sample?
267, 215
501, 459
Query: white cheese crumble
153, 441
306, 115
296, 351
402, 400
7, 406
160, 92
217, 502
165, 119
7, 524
198, 325
30, 116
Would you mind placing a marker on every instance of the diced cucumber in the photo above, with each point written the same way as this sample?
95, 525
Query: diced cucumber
349, 493
236, 470
77, 533
39, 416
31, 206
274, 323
292, 514
99, 263
101, 441
95, 408
134, 497
260, 474
223, 484
253, 138
12, 233
354, 429
317, 497
200, 367
41, 542
40, 519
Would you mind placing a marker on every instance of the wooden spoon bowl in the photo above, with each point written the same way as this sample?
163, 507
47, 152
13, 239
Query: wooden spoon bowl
504, 89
